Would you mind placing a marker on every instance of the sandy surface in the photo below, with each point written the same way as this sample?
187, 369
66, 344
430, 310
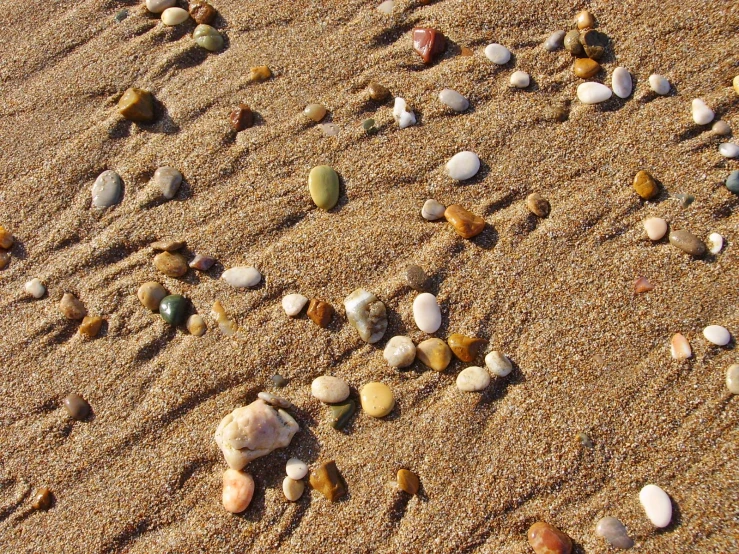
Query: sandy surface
143, 474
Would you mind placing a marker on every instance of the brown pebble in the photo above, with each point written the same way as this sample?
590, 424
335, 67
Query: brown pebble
558, 112
408, 481
172, 265
465, 348
202, 12
260, 73
688, 242
466, 223
76, 406
466, 51
547, 539
6, 238
202, 262
593, 43
586, 68
572, 43
538, 205
4, 258
137, 105
378, 92
428, 43
645, 185
91, 325
327, 480
585, 20
42, 499
416, 278
320, 312
241, 118
150, 294
168, 245
642, 285
71, 307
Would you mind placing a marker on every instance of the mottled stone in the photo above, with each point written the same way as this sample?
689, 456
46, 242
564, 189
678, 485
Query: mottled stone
416, 278
327, 480
434, 353
242, 277
316, 112
366, 313
585, 67
377, 399
323, 185
426, 312
6, 238
399, 351
173, 309
498, 364
208, 37
238, 490
76, 406
656, 228
732, 379
259, 73
432, 210
202, 262
196, 325
428, 43
642, 285
150, 294
168, 179
172, 265
657, 505
473, 379
329, 389
465, 348
106, 190
547, 539
241, 118
91, 326
614, 532
408, 481
377, 92
137, 105
71, 307
202, 12
585, 20
593, 43
292, 489
466, 223
688, 243
538, 205
341, 413
320, 312
572, 43
43, 499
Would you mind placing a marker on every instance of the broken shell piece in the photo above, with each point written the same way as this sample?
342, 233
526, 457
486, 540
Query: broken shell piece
715, 243
680, 348
404, 118
218, 313
642, 285
366, 314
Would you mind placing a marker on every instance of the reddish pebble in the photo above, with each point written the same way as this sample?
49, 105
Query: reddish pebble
428, 43
241, 118
547, 539
642, 285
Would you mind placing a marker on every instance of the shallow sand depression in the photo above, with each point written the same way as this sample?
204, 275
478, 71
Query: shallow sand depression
143, 474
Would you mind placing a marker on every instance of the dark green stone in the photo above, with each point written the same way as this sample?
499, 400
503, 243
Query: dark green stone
173, 309
369, 125
279, 380
732, 183
342, 413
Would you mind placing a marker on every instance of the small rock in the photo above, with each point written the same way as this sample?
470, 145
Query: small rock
377, 399
369, 126
547, 539
35, 288
554, 41
76, 406
467, 52
242, 277
106, 190
434, 353
329, 390
520, 79
137, 105
497, 53
657, 505
150, 294
715, 334
174, 16
71, 307
201, 262
454, 100
158, 6
722, 128
466, 223
327, 480
121, 15
296, 469
585, 20
416, 278
656, 228
172, 308
91, 326
241, 118
614, 532
732, 181
642, 285
403, 117
465, 348
320, 312
585, 68
366, 313
316, 112
659, 84
538, 205
168, 245
43, 499
399, 351
207, 37
341, 413
463, 165
196, 325
293, 304
728, 150
323, 185
408, 482
6, 238
432, 210
473, 379
572, 43
715, 243
621, 82
593, 43
702, 114
593, 93
585, 440
645, 185
238, 490
278, 380
428, 43
732, 379
202, 12
426, 312
259, 73
168, 180
292, 489
330, 129
386, 7
227, 326
276, 401
498, 364
680, 347
377, 92
688, 242
735, 84
4, 259
172, 265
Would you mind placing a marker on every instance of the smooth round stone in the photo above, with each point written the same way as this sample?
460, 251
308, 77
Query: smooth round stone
657, 505
408, 481
174, 16
702, 114
242, 277
369, 126
172, 265
296, 469
593, 93
426, 312
35, 288
554, 41
585, 68
168, 179
463, 165
659, 84
547, 539
621, 82
377, 399
722, 128
732, 379
329, 390
473, 379
293, 304
158, 6
323, 185
434, 353
498, 364
520, 79
399, 351
688, 243
656, 228
497, 53
454, 100
386, 7
292, 488
432, 210
208, 37
715, 334
732, 181
572, 42
150, 294
72, 307
715, 243
43, 499
106, 190
278, 380
196, 325
614, 532
728, 150
402, 116
585, 20
645, 185
76, 406
680, 347
238, 490
316, 112
172, 308
538, 205
416, 278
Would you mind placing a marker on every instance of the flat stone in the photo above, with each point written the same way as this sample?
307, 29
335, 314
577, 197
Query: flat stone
377, 399
497, 53
656, 228
473, 379
621, 82
585, 68
520, 79
106, 190
377, 92
715, 243
76, 406
434, 353
657, 505
593, 93
201, 262
150, 294
688, 243
327, 480
168, 245
426, 312
614, 532
432, 210
659, 84
428, 43
593, 43
465, 348
296, 469
732, 379
274, 400
538, 205
6, 238
366, 313
35, 288
645, 185
292, 489
399, 351
732, 181
584, 20
71, 307
702, 114
728, 150
721, 128
680, 347
196, 325
316, 112
466, 223
320, 312
43, 499
498, 364
174, 16
416, 278
329, 389
547, 539
238, 490
201, 11
572, 43
173, 308
452, 99
90, 326
293, 304
158, 6
137, 104
241, 118
408, 481
642, 285
555, 41
323, 185
242, 277
259, 73
172, 265
403, 116
341, 413
208, 37
168, 180
715, 334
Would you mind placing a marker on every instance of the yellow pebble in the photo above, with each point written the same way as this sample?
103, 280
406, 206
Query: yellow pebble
260, 73
377, 399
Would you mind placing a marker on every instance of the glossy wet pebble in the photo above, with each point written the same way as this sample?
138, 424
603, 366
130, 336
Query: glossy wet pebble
621, 82
174, 16
106, 190
76, 406
547, 539
242, 277
728, 150
6, 238
173, 308
172, 265
327, 480
238, 490
35, 288
426, 312
715, 334
593, 93
292, 488
688, 243
241, 118
432, 210
465, 348
585, 68
434, 353
584, 20
656, 228
168, 180
399, 351
408, 481
43, 499
497, 53
657, 505
473, 379
702, 114
645, 185
323, 185
498, 363
614, 532
659, 84
453, 100
428, 43
208, 37
465, 223
293, 304
72, 307
329, 389
554, 41
296, 469
341, 413
150, 294
377, 399
732, 379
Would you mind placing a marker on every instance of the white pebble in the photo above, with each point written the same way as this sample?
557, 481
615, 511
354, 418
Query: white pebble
463, 165
702, 114
656, 227
621, 82
329, 390
732, 378
158, 6
497, 53
593, 93
293, 304
292, 489
399, 351
426, 312
721, 128
454, 100
473, 379
659, 84
657, 505
499, 364
404, 118
174, 16
554, 42
241, 277
386, 7
296, 469
717, 335
432, 210
715, 243
35, 288
728, 150
520, 79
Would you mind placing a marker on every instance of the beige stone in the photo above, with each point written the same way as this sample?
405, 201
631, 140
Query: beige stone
434, 353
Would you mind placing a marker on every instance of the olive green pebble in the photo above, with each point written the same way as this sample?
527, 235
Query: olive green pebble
278, 380
173, 308
208, 37
342, 413
572, 43
323, 184
369, 126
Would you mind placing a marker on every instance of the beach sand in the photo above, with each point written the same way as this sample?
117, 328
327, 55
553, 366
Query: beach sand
143, 473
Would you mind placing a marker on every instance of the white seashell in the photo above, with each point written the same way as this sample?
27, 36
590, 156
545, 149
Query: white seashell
498, 364
657, 505
174, 16
659, 84
432, 210
463, 165
454, 100
296, 469
404, 118
293, 304
593, 93
621, 82
473, 379
656, 228
497, 53
717, 335
35, 288
680, 347
520, 79
715, 243
728, 150
241, 277
702, 114
426, 312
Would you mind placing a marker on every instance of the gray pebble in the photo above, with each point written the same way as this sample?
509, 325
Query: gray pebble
614, 532
168, 180
554, 42
732, 182
106, 190
416, 278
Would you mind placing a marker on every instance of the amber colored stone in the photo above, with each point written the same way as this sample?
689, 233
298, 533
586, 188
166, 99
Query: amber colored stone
586, 68
260, 73
408, 481
428, 43
585, 20
137, 105
465, 348
642, 285
320, 312
466, 223
42, 499
4, 258
538, 205
327, 480
241, 118
594, 43
6, 238
91, 325
201, 11
645, 185
547, 539
378, 92
466, 51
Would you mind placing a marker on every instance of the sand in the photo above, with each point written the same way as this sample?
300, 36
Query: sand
143, 474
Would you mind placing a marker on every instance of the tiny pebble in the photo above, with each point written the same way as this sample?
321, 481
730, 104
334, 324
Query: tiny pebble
106, 190
732, 379
497, 53
547, 539
241, 118
715, 243
4, 259
572, 42
90, 326
416, 278
432, 210
174, 16
454, 100
657, 505
293, 304
538, 205
242, 277
173, 308
732, 181
688, 243
465, 348
327, 480
403, 117
659, 84
735, 84
554, 41
621, 82
408, 481
473, 379
722, 128
316, 112
680, 347
292, 489
168, 180
465, 223
158, 6
238, 490
378, 92
42, 500
121, 15
150, 294
207, 37
656, 228
172, 265
645, 185
76, 406
520, 79
201, 262
296, 469
585, 20
685, 199
426, 312
399, 351
196, 325
434, 353
278, 380
585, 440
593, 93
728, 150
329, 389
386, 7
71, 307
715, 334
329, 129
377, 399
320, 312
641, 285
35, 288
614, 532
275, 400
498, 364
168, 245
201, 11
702, 114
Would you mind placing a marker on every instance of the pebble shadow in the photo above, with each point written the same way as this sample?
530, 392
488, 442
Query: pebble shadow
487, 239
498, 388
18, 250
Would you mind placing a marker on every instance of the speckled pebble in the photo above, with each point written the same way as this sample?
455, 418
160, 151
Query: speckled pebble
196, 325
377, 399
106, 190
432, 210
416, 278
172, 265
538, 205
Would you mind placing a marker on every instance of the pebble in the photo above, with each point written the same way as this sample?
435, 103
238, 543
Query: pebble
465, 348
276, 401
463, 165
207, 37
416, 278
218, 313
467, 52
572, 43
137, 104
585, 68
366, 314
341, 413
320, 312
656, 228
172, 265
593, 93
241, 118
547, 539
6, 238
201, 11
278, 380
702, 114
621, 82
323, 185
90, 326
593, 43
497, 53
520, 79
238, 490
377, 92
428, 43
659, 84
645, 185
399, 351
498, 363
242, 277
172, 308
585, 440
196, 325
720, 127
35, 288
408, 481
42, 500
715, 334
168, 245
259, 73
329, 129
641, 285
71, 307
585, 20
614, 532
327, 480
168, 180
434, 353
292, 489
426, 312
120, 16
293, 304
4, 259
657, 505
454, 100
688, 243
150, 294
329, 390
432, 210
369, 126
473, 379
76, 406
386, 7
377, 399
735, 84
158, 6
732, 379
680, 347
715, 243
732, 181
538, 205
174, 16
403, 117
554, 41
466, 223
106, 190
296, 469
201, 262
316, 112
728, 150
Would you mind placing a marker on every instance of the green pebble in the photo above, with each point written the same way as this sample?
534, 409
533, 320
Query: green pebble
323, 184
279, 380
173, 309
121, 15
342, 413
208, 37
369, 125
732, 182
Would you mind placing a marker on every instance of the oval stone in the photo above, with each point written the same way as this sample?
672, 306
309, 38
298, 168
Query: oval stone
238, 490
172, 308
426, 312
473, 379
715, 334
432, 210
645, 185
659, 84
377, 399
454, 100
106, 190
43, 499
208, 37
585, 68
728, 150
292, 488
293, 304
498, 363
466, 223
538, 205
329, 390
242, 277
688, 242
399, 352
434, 353
497, 53
702, 114
150, 294
680, 347
72, 307
316, 112
732, 181
172, 265
408, 481
465, 348
76, 406
547, 539
621, 82
584, 20
201, 11
323, 185
520, 79
158, 6
657, 505
174, 16
554, 41
656, 228
732, 379
593, 93
614, 532
296, 469
463, 165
